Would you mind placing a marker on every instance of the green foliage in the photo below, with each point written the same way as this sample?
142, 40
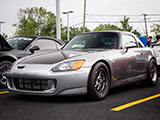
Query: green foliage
5, 36
73, 32
127, 27
64, 34
124, 27
125, 24
136, 33
155, 28
36, 21
103, 27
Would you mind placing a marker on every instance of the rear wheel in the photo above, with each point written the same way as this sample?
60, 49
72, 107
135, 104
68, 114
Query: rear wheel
99, 82
152, 74
4, 66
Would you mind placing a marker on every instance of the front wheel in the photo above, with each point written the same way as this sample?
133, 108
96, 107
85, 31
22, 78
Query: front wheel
4, 66
99, 82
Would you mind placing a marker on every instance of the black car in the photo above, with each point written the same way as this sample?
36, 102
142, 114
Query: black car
18, 47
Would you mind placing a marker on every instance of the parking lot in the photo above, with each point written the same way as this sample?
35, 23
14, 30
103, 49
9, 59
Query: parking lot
141, 103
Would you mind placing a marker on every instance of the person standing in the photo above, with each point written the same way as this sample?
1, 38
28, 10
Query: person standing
149, 41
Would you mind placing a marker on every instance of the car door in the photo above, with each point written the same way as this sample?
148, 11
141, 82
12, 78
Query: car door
43, 45
138, 54
141, 58
124, 63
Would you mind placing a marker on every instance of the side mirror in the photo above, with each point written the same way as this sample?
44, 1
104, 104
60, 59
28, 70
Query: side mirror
34, 48
129, 45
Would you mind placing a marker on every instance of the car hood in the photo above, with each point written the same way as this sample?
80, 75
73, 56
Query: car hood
52, 57
4, 46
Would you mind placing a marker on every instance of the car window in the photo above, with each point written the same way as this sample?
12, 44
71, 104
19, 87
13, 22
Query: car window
45, 44
128, 39
93, 41
19, 43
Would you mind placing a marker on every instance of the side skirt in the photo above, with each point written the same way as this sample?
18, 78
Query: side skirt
137, 78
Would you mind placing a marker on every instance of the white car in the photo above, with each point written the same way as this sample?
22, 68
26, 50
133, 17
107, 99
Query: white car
156, 48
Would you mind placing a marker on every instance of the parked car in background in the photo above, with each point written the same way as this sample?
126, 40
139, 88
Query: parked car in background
18, 47
91, 63
156, 48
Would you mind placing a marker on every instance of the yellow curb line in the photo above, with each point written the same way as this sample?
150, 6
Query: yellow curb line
4, 92
134, 103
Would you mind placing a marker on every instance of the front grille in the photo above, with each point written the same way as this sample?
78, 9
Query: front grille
30, 84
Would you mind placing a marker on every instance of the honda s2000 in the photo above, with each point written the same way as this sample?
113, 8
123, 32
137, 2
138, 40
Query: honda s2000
91, 63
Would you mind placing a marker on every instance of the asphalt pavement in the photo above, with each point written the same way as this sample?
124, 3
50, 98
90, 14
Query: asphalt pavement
24, 107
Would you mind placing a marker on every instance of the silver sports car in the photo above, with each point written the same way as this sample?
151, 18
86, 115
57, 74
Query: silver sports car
91, 63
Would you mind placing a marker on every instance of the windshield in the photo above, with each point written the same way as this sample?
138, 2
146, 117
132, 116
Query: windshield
19, 43
93, 41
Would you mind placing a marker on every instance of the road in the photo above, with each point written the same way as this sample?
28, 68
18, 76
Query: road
21, 107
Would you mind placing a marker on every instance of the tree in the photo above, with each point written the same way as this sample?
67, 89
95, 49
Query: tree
73, 32
124, 27
36, 21
125, 24
77, 30
127, 27
102, 27
155, 28
136, 33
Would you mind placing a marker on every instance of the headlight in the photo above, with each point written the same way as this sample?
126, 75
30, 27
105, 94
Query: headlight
69, 65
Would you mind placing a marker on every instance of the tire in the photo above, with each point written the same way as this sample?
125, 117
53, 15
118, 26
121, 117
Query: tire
99, 82
152, 74
4, 66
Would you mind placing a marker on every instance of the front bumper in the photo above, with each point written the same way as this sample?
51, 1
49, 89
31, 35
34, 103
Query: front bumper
49, 83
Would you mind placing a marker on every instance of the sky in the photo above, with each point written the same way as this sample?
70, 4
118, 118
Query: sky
98, 12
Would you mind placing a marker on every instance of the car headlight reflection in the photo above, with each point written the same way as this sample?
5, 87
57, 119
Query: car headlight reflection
70, 65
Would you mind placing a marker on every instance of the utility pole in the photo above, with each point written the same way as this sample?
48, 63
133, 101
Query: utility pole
145, 21
68, 23
1, 22
58, 22
84, 16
